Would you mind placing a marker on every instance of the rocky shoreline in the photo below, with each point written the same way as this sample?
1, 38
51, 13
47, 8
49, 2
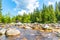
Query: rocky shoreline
32, 26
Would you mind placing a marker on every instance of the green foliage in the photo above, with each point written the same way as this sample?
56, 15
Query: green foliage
26, 18
52, 17
0, 17
57, 11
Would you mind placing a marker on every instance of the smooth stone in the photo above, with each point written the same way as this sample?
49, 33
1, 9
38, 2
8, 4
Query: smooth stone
28, 27
12, 32
19, 23
46, 26
2, 31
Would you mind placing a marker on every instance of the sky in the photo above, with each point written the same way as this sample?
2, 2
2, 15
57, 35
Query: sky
18, 7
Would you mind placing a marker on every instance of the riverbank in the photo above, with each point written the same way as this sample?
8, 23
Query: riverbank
35, 30
34, 26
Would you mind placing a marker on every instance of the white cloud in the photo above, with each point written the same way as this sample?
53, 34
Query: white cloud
26, 5
21, 12
50, 3
32, 6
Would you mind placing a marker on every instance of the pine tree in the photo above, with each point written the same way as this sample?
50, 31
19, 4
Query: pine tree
52, 17
57, 12
45, 14
59, 6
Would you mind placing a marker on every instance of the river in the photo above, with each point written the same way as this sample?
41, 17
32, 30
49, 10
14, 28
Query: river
28, 34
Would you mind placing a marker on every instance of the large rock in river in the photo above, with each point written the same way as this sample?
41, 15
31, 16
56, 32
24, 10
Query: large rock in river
12, 32
2, 31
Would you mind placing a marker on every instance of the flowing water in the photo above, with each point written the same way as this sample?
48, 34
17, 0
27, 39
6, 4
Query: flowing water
28, 34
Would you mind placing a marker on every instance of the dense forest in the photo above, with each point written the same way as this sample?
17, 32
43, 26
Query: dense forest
48, 14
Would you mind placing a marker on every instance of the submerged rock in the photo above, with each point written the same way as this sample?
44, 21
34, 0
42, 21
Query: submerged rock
2, 31
12, 32
58, 34
49, 36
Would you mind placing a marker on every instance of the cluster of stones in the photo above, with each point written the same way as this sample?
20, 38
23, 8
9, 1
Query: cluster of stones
9, 32
36, 26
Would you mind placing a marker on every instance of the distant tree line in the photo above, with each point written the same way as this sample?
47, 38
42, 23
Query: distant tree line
48, 14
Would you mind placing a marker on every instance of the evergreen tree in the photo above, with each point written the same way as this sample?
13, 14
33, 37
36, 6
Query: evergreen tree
59, 6
45, 14
57, 12
26, 18
52, 17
